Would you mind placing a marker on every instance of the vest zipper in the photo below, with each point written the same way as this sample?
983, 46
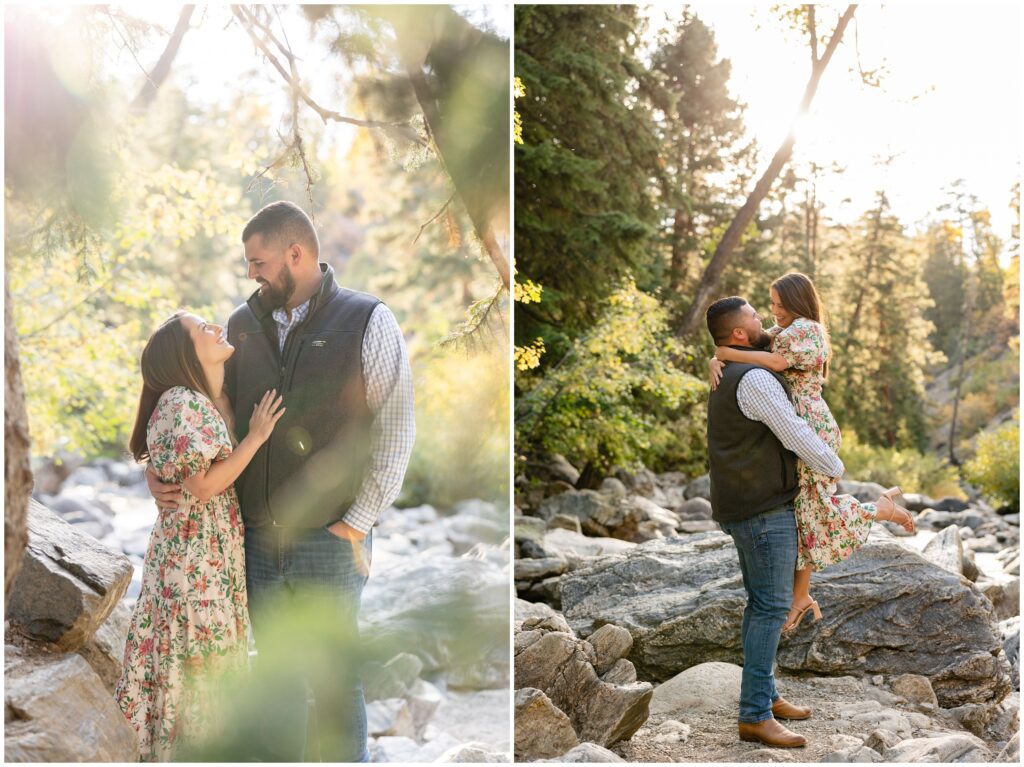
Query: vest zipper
282, 358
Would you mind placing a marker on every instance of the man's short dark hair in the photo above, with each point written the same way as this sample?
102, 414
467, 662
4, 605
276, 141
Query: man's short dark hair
283, 223
723, 316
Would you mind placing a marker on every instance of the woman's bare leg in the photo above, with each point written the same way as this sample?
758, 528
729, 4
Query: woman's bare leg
801, 594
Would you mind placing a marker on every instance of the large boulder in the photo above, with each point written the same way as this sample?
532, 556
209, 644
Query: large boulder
562, 667
58, 710
710, 688
699, 488
542, 729
946, 550
887, 610
954, 747
68, 583
105, 651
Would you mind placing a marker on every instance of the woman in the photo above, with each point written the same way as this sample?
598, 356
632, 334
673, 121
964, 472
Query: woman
191, 622
830, 526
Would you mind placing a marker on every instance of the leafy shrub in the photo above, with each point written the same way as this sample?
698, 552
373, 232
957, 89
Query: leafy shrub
995, 468
617, 392
914, 471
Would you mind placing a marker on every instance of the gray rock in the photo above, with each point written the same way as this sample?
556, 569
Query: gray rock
644, 520
865, 492
954, 747
849, 750
395, 750
68, 583
1006, 597
947, 550
559, 468
542, 729
526, 610
528, 528
587, 752
613, 487
697, 526
709, 688
971, 571
1010, 633
916, 502
466, 529
935, 520
562, 667
424, 699
621, 672
868, 716
699, 488
974, 717
473, 753
881, 740
429, 605
548, 623
610, 643
694, 509
576, 547
565, 522
105, 651
87, 476
390, 716
1011, 752
887, 610
538, 569
58, 710
950, 504
986, 544
597, 514
915, 688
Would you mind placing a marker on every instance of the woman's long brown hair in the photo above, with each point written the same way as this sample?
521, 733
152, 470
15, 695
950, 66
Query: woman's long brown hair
168, 360
799, 297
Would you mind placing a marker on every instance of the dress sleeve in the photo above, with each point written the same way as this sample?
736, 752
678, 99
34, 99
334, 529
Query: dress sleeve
186, 436
802, 345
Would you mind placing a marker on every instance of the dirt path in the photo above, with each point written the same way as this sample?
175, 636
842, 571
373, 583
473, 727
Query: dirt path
713, 736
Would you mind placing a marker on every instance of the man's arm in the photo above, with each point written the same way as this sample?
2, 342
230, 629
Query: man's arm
761, 398
390, 397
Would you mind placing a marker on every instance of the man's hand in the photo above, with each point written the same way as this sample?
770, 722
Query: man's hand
166, 494
345, 531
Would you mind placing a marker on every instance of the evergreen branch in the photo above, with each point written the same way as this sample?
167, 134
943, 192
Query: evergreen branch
433, 218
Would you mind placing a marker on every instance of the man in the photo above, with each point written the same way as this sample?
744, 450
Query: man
313, 492
753, 433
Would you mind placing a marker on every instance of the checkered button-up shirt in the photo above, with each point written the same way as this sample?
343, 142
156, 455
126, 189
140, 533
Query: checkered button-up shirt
761, 397
389, 396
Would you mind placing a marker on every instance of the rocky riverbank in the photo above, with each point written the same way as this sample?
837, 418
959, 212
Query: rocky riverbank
436, 603
920, 633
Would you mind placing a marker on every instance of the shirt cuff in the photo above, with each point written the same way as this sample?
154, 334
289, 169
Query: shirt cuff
360, 518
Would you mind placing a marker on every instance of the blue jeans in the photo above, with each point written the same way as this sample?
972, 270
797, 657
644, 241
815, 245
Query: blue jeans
304, 591
766, 545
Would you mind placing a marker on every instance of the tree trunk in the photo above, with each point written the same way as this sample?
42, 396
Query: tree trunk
723, 253
163, 67
865, 278
17, 473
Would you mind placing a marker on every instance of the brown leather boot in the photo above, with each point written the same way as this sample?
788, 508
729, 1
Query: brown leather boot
771, 733
783, 709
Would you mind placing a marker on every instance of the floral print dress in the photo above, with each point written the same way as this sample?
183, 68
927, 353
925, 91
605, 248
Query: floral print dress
191, 621
830, 527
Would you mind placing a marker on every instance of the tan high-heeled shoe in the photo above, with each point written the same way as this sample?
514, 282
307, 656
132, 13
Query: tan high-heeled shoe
813, 607
906, 522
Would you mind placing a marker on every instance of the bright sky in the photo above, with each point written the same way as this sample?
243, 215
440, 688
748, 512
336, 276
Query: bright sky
962, 62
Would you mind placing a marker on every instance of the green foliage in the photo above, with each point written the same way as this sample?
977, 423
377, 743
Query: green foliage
995, 468
462, 432
613, 395
583, 189
914, 471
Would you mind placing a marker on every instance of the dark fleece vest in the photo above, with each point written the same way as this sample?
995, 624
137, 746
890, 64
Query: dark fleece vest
310, 471
751, 472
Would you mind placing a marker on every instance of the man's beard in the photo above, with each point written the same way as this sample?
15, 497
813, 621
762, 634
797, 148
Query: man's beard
276, 296
763, 342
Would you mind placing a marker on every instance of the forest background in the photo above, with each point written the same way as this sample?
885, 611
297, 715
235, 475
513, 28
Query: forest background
137, 146
641, 196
